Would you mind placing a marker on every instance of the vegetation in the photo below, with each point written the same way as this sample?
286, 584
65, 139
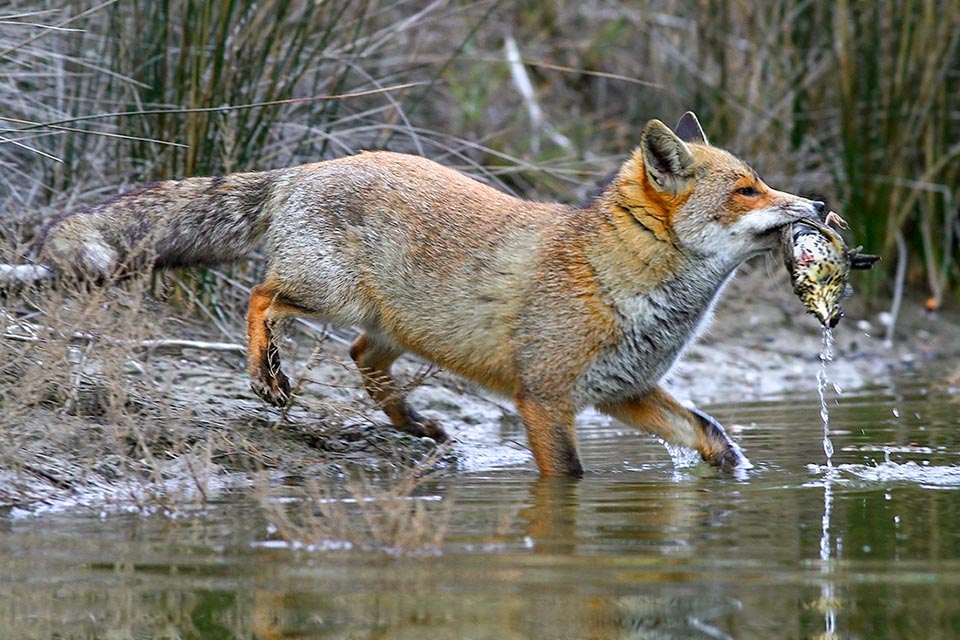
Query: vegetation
854, 101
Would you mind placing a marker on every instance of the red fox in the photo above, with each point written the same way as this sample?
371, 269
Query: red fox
558, 307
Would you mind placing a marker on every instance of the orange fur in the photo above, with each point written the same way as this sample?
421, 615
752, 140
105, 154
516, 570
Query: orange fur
556, 306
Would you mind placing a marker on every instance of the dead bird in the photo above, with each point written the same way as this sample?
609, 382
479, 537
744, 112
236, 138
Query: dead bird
819, 263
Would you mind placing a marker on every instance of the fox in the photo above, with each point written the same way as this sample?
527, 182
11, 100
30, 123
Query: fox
558, 307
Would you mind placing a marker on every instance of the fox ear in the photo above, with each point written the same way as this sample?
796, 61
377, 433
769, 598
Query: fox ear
689, 129
666, 159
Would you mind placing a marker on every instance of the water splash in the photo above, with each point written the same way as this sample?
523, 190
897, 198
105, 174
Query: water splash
682, 457
887, 472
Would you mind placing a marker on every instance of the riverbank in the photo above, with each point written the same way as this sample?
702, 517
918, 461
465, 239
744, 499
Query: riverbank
762, 344
154, 421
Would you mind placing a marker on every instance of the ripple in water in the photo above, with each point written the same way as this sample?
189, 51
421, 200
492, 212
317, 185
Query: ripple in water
928, 476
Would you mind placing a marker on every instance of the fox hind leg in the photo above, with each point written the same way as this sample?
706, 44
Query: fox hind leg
374, 358
266, 377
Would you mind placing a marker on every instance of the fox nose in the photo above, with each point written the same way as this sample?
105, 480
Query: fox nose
821, 208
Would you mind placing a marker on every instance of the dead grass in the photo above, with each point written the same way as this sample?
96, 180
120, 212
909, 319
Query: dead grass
359, 512
852, 102
109, 401
81, 414
855, 102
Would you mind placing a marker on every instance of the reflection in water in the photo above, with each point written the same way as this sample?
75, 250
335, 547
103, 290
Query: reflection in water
637, 549
550, 520
551, 525
683, 618
545, 595
828, 597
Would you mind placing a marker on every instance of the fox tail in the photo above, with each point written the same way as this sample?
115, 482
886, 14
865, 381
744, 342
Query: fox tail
175, 223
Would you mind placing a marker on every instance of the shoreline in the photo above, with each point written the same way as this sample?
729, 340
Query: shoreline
163, 427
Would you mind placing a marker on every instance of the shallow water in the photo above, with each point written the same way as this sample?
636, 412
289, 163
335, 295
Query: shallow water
637, 549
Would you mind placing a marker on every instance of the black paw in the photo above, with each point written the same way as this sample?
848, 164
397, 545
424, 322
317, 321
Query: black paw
274, 390
716, 447
422, 427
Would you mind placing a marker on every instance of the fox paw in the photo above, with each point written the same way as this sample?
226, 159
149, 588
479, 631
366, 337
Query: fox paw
731, 459
716, 447
421, 427
274, 390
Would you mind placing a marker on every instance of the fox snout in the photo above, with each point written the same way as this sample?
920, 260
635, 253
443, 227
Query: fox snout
821, 208
807, 209
798, 209
813, 209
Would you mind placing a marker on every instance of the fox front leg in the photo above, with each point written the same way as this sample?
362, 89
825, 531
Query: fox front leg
550, 432
656, 412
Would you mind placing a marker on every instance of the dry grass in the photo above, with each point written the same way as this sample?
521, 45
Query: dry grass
106, 404
851, 101
359, 512
857, 102
80, 414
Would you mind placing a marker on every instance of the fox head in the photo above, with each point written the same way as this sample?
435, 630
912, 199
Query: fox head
703, 199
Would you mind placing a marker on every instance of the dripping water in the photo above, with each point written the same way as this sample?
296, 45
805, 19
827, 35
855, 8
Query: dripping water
828, 597
826, 357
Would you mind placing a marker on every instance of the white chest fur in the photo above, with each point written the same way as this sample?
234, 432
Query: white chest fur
656, 327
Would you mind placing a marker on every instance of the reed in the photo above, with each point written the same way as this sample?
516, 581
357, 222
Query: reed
855, 102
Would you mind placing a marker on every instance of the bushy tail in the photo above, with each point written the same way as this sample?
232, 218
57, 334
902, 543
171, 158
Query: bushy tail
176, 223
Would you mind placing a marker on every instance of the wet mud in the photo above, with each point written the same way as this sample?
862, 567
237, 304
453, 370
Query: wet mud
173, 425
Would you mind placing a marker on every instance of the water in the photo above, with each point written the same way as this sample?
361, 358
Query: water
828, 597
638, 549
826, 357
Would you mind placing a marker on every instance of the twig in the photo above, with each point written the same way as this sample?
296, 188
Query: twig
49, 477
70, 405
22, 275
173, 343
302, 376
521, 80
158, 344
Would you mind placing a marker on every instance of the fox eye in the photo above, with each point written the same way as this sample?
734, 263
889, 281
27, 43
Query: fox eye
749, 192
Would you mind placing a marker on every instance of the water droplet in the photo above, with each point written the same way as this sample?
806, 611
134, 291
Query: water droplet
682, 457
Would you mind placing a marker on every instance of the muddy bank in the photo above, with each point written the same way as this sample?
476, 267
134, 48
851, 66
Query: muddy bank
94, 421
762, 344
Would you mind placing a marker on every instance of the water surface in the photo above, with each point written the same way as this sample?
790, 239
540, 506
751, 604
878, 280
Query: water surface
637, 549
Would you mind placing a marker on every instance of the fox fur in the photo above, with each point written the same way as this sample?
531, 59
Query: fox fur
556, 306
